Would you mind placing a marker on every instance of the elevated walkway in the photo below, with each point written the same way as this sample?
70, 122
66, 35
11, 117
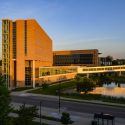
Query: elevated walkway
100, 69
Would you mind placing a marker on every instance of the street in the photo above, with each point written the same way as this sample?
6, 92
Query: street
70, 106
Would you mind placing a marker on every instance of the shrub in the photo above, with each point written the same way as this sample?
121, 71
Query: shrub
45, 85
65, 118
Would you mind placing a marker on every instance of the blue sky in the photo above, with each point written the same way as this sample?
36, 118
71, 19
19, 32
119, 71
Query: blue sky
75, 24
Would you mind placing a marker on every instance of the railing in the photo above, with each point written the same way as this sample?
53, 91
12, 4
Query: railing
101, 69
49, 71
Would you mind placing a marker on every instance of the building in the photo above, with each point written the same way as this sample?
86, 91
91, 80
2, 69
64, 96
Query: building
76, 58
56, 74
25, 47
106, 61
118, 62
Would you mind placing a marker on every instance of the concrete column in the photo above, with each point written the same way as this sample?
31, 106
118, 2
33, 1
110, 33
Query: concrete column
87, 75
33, 74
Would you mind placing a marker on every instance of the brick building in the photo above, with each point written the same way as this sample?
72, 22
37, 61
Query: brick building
25, 47
76, 58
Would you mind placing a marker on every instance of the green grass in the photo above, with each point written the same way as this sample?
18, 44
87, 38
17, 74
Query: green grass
82, 96
43, 116
14, 121
21, 89
53, 90
120, 100
97, 97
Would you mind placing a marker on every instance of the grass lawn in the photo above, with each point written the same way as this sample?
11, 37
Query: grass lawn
14, 122
82, 96
21, 89
53, 90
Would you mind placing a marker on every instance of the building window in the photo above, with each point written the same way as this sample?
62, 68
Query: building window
25, 37
14, 40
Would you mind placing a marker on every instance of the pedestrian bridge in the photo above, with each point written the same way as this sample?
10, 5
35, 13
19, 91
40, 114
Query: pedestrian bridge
100, 69
58, 73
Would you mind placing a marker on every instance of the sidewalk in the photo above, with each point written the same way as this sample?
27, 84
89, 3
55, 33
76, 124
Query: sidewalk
77, 117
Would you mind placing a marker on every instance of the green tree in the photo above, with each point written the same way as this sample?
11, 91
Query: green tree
5, 108
45, 85
114, 62
109, 60
26, 115
85, 85
106, 79
65, 118
78, 78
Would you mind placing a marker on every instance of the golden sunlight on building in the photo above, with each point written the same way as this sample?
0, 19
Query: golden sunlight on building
25, 47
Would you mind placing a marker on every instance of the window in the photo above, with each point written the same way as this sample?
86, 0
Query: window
25, 37
14, 40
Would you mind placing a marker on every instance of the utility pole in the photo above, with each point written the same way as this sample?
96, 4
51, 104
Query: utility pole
59, 95
40, 112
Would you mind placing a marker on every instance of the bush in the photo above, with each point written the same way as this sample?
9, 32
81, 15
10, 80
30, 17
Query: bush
26, 115
65, 118
45, 85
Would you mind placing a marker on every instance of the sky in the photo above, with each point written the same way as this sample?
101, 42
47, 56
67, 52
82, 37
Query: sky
74, 24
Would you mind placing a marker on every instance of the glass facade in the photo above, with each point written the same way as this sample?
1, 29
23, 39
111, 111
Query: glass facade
46, 71
28, 73
6, 50
14, 40
25, 37
79, 59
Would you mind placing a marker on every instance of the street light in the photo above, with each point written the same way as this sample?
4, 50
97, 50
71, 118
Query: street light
40, 112
59, 96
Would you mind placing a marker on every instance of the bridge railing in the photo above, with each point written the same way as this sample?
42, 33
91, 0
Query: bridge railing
101, 69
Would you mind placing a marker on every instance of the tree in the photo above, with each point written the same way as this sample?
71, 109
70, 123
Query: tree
78, 78
5, 108
0, 62
45, 85
26, 115
65, 118
85, 85
106, 80
109, 59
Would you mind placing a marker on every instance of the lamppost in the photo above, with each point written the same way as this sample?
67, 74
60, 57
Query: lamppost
59, 96
40, 112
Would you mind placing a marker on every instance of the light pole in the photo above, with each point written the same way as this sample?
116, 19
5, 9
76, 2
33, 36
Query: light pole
59, 96
40, 112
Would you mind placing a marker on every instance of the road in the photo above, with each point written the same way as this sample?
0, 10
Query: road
70, 106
